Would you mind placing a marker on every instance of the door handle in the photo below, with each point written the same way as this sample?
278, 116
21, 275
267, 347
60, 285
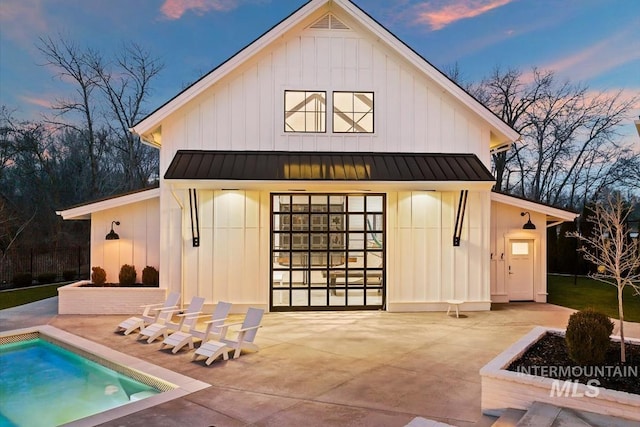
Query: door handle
510, 270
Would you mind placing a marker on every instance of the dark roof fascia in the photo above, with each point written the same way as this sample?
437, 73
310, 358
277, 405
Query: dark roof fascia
537, 202
221, 64
113, 196
434, 67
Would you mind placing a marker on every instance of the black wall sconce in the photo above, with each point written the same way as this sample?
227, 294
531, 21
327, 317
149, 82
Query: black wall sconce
528, 225
112, 234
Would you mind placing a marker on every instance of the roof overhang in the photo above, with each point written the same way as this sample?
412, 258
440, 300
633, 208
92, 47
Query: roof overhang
554, 215
149, 128
312, 168
333, 186
84, 211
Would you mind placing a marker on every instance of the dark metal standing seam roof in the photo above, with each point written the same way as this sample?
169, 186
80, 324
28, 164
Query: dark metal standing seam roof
325, 166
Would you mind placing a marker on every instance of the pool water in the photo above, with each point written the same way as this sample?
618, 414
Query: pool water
42, 384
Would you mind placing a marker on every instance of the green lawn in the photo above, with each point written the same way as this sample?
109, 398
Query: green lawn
15, 297
591, 293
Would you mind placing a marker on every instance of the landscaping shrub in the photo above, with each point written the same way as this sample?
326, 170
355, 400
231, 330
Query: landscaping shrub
22, 279
46, 278
68, 275
127, 276
150, 276
99, 276
587, 336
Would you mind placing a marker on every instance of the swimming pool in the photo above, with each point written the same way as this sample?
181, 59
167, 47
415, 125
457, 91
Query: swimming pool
50, 377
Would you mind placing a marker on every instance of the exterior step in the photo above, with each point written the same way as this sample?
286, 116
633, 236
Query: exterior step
539, 415
509, 418
423, 422
546, 415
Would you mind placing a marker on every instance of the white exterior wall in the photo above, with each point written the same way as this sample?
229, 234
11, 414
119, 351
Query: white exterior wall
139, 242
244, 111
506, 223
423, 267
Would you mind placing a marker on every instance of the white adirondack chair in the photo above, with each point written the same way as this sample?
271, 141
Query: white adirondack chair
151, 313
179, 339
187, 319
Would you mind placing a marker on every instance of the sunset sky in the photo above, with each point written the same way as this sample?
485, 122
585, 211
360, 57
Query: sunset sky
596, 42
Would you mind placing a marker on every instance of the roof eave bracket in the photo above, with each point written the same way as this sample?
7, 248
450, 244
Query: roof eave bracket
195, 223
462, 206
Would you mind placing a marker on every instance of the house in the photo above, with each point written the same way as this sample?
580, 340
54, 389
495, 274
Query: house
327, 166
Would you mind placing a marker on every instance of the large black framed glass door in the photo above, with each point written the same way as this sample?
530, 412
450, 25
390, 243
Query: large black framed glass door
327, 251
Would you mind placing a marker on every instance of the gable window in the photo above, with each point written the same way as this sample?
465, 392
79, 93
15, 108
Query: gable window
353, 112
305, 111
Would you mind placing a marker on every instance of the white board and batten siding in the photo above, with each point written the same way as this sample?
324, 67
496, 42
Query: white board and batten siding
231, 263
423, 267
245, 109
139, 242
506, 224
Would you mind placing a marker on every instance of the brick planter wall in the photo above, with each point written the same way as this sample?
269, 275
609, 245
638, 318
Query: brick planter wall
74, 299
502, 389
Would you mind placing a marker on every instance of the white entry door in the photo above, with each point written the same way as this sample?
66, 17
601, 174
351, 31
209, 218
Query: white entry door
520, 270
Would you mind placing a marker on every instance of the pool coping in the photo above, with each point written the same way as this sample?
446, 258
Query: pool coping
183, 385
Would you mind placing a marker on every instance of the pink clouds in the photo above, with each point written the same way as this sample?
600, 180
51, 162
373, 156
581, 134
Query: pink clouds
20, 19
439, 14
174, 9
598, 58
41, 102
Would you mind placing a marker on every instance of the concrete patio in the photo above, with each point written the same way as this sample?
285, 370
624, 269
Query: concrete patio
328, 368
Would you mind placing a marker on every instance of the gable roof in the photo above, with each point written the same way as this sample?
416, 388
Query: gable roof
84, 211
554, 214
149, 126
326, 166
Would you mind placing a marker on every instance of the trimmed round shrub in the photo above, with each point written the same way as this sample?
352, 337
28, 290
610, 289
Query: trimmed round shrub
587, 336
127, 276
99, 276
21, 280
68, 275
46, 278
150, 276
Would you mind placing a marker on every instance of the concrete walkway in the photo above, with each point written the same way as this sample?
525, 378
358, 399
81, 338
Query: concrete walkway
329, 368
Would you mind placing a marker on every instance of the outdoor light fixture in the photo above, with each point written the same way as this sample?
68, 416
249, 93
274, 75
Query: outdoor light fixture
529, 225
112, 234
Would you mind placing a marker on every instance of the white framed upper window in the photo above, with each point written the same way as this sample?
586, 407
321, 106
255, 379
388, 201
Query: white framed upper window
353, 112
305, 111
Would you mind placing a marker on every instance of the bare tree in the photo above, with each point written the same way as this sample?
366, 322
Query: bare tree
7, 140
569, 135
508, 96
72, 63
108, 100
613, 251
125, 84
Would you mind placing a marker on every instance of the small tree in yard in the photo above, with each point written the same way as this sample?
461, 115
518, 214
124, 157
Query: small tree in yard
613, 251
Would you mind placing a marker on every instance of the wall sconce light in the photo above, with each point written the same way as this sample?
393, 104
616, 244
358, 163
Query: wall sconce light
528, 225
112, 234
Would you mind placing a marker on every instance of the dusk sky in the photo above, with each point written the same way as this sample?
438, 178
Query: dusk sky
596, 42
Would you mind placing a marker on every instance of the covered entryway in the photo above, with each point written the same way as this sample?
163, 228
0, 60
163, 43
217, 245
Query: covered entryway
327, 251
520, 268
